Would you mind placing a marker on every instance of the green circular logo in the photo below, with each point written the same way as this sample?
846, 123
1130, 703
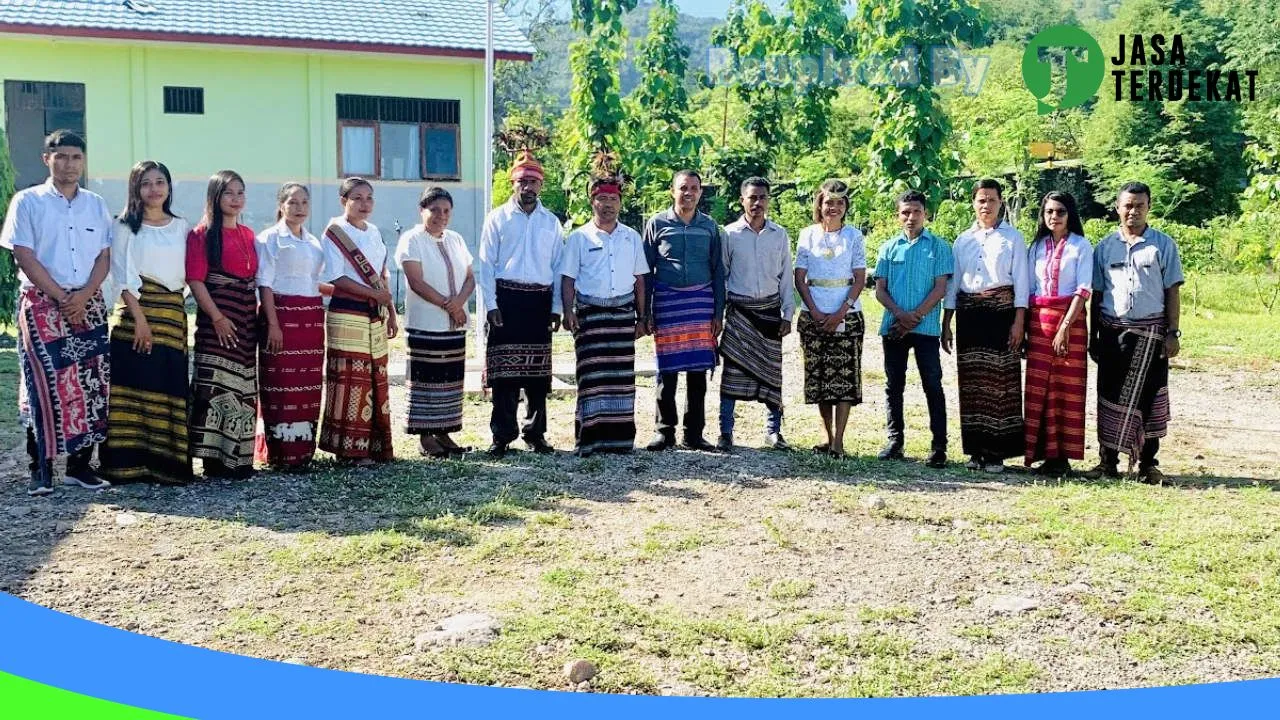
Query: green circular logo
1083, 67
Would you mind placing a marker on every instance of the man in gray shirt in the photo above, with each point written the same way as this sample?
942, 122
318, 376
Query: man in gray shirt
1135, 309
761, 300
686, 299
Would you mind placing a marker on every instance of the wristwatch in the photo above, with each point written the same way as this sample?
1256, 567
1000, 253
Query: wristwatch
1176, 333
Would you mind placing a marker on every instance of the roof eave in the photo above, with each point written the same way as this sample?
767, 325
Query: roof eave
255, 41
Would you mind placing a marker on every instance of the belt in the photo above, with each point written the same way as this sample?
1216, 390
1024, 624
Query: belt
833, 283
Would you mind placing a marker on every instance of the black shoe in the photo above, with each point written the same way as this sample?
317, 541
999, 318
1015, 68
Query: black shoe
937, 459
776, 441
1054, 469
539, 445
1152, 476
725, 443
41, 483
498, 450
1103, 470
892, 451
86, 479
660, 442
697, 443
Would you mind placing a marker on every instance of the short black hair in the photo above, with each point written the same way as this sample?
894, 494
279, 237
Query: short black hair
687, 172
1135, 188
433, 194
753, 181
64, 138
988, 184
913, 196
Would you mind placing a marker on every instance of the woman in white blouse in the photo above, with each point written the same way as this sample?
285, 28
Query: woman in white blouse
360, 319
831, 272
437, 267
147, 438
1061, 262
291, 357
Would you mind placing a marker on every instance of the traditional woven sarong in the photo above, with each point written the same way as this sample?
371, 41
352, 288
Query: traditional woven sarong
435, 371
1133, 383
682, 318
66, 374
518, 354
1055, 385
751, 348
147, 435
290, 384
606, 349
357, 406
224, 388
989, 376
832, 361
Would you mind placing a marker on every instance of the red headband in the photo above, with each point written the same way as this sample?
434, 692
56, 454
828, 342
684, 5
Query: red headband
608, 187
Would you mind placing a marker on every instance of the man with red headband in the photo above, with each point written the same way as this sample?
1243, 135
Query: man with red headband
602, 290
520, 248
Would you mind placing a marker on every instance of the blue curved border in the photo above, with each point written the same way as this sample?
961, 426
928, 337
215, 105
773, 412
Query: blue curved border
95, 660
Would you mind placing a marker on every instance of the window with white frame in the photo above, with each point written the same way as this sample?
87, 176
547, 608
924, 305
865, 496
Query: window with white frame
390, 138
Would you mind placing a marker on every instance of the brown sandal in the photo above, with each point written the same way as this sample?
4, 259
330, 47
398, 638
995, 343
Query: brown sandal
431, 447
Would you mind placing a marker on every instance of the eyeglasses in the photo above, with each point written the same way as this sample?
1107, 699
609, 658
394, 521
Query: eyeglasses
1055, 211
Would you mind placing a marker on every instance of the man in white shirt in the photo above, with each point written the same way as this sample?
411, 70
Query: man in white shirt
760, 288
520, 249
988, 295
60, 235
601, 286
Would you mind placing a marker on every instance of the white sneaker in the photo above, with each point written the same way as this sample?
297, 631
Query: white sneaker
993, 468
973, 464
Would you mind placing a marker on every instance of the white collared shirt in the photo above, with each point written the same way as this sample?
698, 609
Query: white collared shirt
758, 264
831, 256
155, 252
418, 245
520, 247
604, 265
1075, 268
67, 236
288, 264
988, 258
368, 241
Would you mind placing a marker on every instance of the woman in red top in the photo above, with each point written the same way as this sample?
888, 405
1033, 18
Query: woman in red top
222, 263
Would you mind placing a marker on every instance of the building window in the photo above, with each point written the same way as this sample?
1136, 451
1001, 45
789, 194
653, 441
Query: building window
392, 138
183, 100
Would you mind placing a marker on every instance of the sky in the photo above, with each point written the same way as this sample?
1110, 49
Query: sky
710, 8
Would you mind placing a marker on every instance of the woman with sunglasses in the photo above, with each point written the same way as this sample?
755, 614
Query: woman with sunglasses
1061, 262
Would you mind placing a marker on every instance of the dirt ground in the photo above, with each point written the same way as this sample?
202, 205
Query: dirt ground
695, 573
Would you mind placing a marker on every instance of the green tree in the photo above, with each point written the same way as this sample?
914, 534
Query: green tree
908, 144
658, 137
595, 103
1189, 152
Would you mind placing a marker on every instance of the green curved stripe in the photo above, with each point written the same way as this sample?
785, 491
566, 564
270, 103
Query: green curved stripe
30, 700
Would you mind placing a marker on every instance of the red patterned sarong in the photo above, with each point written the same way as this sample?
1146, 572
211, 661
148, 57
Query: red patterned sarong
1056, 386
357, 406
290, 382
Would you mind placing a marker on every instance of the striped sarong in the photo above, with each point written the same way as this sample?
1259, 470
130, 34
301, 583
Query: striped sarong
291, 382
357, 405
1133, 383
66, 374
434, 371
606, 349
224, 387
147, 436
518, 354
1055, 397
682, 318
832, 361
751, 348
989, 375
